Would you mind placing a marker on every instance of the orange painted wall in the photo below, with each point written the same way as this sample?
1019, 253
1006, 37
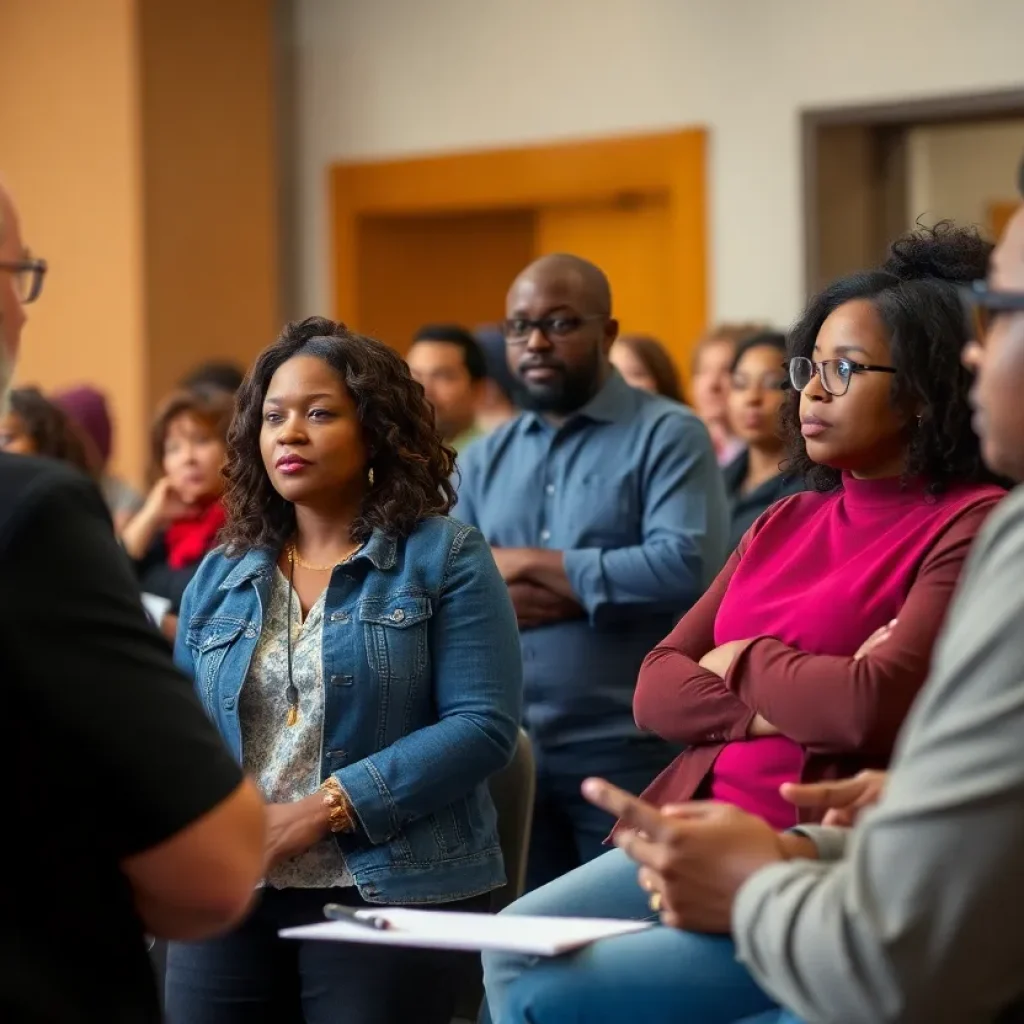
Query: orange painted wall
211, 274
69, 148
137, 136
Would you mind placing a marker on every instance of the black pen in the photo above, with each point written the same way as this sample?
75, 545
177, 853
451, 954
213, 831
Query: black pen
336, 912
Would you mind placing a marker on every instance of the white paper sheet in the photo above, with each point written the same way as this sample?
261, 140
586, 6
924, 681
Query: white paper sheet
439, 929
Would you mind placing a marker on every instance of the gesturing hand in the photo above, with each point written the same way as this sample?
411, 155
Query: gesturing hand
695, 856
844, 799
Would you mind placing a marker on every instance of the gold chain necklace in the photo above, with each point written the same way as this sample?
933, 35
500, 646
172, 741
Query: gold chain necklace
292, 553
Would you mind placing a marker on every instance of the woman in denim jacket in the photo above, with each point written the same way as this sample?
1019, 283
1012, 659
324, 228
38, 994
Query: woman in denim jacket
358, 650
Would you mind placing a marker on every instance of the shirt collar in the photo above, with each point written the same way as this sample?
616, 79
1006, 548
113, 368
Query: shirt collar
379, 550
614, 402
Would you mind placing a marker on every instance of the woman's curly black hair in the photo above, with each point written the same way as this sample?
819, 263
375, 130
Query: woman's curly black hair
411, 465
915, 294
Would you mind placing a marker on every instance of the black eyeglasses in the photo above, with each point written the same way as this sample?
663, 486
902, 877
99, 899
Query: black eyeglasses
28, 277
985, 304
835, 374
517, 330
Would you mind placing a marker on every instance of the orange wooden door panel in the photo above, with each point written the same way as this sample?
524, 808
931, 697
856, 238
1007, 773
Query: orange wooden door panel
631, 241
442, 269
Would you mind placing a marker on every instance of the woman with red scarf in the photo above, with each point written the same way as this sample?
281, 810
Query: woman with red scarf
183, 514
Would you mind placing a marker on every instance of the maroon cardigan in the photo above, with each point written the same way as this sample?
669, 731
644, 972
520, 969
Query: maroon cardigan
855, 728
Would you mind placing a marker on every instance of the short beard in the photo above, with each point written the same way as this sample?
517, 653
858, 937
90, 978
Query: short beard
565, 395
6, 369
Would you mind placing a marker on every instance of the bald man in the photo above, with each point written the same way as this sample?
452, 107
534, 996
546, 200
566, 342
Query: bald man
606, 512
125, 811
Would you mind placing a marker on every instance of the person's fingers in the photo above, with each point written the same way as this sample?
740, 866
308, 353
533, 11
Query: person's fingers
697, 810
640, 848
838, 817
648, 879
632, 812
823, 794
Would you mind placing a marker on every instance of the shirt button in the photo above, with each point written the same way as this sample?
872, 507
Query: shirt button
398, 615
550, 489
545, 535
229, 703
339, 616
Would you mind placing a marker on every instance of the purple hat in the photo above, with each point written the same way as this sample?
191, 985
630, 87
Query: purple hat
88, 408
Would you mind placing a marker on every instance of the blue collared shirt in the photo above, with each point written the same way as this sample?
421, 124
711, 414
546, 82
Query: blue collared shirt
630, 490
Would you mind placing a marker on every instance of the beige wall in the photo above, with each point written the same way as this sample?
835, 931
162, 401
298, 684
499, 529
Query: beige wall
381, 78
956, 171
137, 136
69, 148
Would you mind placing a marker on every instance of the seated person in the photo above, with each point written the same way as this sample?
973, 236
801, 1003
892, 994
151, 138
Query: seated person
33, 425
87, 408
754, 480
769, 678
358, 650
182, 516
645, 364
446, 360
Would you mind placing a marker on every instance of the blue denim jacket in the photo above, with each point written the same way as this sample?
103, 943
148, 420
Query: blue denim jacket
423, 688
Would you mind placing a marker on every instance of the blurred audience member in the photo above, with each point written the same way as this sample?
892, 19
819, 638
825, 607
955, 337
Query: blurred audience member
644, 363
183, 514
359, 653
712, 368
87, 407
804, 657
33, 425
217, 375
166, 835
499, 393
754, 480
607, 516
447, 361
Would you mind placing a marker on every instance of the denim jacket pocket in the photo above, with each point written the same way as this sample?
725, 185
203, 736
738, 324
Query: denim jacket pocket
395, 631
209, 640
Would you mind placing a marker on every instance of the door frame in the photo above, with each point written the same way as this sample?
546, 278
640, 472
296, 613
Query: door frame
671, 164
949, 109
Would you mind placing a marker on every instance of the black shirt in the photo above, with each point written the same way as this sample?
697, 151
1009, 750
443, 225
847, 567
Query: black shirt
747, 508
106, 753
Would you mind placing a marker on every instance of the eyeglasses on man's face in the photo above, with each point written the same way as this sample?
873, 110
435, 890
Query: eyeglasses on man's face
984, 305
518, 330
835, 374
28, 274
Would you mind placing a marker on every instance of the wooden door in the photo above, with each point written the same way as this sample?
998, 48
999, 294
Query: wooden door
631, 241
452, 268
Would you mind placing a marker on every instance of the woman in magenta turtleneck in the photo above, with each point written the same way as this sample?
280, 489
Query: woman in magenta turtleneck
803, 658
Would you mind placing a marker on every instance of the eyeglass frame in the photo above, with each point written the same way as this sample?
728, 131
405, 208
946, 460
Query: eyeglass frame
818, 367
544, 326
37, 267
983, 301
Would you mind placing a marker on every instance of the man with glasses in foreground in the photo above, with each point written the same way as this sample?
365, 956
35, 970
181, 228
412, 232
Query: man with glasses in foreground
124, 811
608, 518
913, 915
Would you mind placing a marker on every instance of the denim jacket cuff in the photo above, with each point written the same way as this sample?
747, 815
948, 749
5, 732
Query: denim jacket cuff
370, 799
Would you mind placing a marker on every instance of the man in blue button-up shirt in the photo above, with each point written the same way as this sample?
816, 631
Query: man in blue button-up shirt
607, 514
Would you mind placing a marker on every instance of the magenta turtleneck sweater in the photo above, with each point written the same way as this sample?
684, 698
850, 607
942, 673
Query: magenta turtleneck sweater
811, 581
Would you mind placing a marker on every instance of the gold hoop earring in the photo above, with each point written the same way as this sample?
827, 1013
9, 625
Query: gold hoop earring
369, 476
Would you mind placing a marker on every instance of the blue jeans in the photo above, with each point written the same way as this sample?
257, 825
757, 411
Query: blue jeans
653, 977
567, 829
251, 976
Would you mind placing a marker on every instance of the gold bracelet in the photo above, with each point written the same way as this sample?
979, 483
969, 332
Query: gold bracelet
339, 808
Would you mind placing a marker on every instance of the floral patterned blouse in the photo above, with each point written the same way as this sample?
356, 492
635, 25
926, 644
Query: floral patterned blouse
283, 760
